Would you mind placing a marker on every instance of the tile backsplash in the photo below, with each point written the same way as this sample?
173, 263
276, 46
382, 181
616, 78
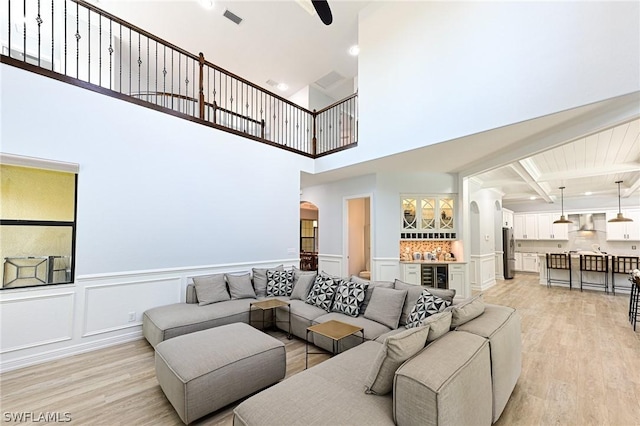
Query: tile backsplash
407, 248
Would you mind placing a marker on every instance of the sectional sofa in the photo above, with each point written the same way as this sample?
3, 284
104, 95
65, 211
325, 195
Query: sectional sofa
463, 373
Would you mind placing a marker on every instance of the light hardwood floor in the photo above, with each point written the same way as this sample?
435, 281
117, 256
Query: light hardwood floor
581, 366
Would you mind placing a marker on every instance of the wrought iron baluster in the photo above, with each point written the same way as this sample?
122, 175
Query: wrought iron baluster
39, 21
110, 54
172, 78
24, 30
9, 26
77, 41
52, 35
139, 64
100, 50
130, 40
89, 45
120, 60
148, 67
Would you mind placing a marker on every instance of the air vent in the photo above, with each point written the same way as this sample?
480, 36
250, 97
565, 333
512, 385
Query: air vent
272, 83
329, 80
232, 17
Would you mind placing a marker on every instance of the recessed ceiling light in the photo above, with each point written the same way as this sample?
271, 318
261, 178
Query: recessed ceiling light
354, 50
207, 4
588, 193
532, 198
282, 86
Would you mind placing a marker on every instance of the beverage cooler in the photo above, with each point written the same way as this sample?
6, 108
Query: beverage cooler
436, 276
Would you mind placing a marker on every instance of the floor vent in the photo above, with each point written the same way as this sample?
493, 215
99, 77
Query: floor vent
232, 17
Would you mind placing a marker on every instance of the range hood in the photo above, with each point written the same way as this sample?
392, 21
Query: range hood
586, 222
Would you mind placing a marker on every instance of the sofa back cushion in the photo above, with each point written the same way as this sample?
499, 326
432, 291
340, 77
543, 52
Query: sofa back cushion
370, 286
240, 286
439, 325
466, 311
211, 289
385, 306
394, 351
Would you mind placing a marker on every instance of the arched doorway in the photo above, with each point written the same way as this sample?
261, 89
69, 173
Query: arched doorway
308, 236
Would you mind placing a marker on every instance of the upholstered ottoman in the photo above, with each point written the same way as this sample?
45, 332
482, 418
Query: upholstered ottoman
202, 372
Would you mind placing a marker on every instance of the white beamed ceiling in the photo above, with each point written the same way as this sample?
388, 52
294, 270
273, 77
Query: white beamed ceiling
589, 164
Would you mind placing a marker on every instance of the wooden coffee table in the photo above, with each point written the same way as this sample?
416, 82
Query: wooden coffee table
334, 330
271, 304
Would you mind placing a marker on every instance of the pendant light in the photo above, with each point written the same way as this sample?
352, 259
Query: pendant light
562, 218
619, 217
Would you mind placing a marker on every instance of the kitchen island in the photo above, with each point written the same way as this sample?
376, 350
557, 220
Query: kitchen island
595, 280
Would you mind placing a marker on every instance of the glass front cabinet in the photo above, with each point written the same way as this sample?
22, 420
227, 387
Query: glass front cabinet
428, 217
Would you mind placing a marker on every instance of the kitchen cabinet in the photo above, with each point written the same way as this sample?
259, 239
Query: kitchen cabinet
530, 262
457, 279
428, 216
412, 273
507, 218
518, 257
624, 231
525, 226
547, 230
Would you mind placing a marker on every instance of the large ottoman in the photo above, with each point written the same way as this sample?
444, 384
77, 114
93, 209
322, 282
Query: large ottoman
202, 372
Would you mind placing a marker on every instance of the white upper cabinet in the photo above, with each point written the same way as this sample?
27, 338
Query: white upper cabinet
429, 214
525, 226
624, 231
547, 230
507, 218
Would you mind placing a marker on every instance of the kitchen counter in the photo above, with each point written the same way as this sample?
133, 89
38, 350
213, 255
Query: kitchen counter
432, 262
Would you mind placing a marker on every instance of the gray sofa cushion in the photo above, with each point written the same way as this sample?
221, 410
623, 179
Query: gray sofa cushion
330, 393
240, 286
260, 279
370, 287
466, 311
414, 292
439, 325
385, 306
211, 289
395, 350
302, 284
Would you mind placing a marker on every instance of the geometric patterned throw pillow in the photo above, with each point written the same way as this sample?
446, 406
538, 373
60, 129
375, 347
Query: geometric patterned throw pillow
427, 305
349, 297
322, 292
279, 283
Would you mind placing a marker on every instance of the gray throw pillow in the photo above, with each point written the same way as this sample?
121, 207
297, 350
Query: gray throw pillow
385, 306
240, 286
415, 291
439, 325
260, 279
211, 289
466, 311
427, 305
302, 285
394, 351
370, 287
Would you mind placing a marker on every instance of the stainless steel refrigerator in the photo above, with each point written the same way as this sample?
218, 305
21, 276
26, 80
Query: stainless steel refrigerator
508, 253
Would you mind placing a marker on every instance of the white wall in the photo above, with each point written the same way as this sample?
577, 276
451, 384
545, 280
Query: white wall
160, 199
442, 70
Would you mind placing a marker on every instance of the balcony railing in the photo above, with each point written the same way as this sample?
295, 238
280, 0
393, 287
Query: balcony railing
76, 42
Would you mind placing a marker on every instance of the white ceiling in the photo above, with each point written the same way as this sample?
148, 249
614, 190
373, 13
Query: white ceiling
276, 40
281, 41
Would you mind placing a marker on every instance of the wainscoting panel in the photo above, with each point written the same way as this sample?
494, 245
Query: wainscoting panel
36, 320
484, 271
108, 307
331, 264
386, 269
499, 262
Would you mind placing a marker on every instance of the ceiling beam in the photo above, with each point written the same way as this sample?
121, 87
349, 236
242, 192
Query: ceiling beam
589, 172
524, 169
628, 191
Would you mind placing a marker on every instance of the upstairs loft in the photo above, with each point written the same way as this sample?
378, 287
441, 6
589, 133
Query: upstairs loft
75, 42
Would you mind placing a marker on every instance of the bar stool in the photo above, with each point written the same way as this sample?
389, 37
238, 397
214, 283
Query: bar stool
558, 261
623, 265
634, 301
594, 263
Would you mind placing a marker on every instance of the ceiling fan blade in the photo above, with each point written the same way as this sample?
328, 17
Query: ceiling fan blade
323, 10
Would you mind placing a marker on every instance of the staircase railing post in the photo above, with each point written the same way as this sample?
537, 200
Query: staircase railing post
201, 88
314, 139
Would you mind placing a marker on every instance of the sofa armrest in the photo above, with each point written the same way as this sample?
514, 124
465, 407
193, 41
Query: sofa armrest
191, 294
